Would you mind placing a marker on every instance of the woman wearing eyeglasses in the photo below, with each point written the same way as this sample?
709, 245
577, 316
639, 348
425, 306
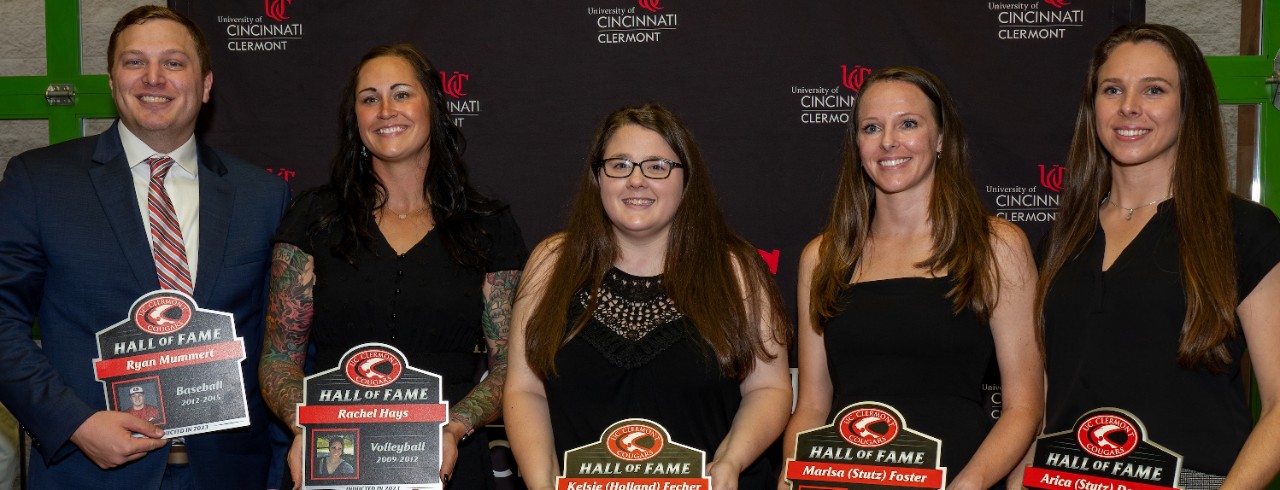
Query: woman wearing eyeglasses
912, 288
648, 306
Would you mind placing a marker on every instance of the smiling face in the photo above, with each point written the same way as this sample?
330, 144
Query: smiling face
637, 206
898, 138
393, 111
1138, 105
137, 399
335, 449
157, 84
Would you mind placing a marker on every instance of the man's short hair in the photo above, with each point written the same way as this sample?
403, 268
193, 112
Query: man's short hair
147, 12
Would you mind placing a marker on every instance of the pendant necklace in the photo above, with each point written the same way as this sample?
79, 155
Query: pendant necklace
1128, 212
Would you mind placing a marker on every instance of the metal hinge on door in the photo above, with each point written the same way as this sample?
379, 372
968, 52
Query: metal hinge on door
1274, 81
60, 94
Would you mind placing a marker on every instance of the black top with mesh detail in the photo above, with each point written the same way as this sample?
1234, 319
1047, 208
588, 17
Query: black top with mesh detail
638, 356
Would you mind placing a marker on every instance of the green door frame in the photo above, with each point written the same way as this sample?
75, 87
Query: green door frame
22, 97
1242, 80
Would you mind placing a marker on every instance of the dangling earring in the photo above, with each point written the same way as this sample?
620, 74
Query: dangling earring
938, 156
364, 152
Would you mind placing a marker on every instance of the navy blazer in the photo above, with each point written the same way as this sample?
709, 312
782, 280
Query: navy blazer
74, 256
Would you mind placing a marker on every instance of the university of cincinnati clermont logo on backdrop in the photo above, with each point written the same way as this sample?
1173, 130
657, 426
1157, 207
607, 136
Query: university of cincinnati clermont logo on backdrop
163, 315
635, 442
1107, 436
830, 103
645, 21
869, 427
1031, 20
373, 368
249, 32
462, 106
1030, 203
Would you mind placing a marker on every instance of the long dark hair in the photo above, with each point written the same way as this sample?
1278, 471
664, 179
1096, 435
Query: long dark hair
959, 227
1206, 245
715, 277
454, 203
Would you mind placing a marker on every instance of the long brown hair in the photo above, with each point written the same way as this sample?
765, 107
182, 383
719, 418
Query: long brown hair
1206, 246
959, 227
715, 277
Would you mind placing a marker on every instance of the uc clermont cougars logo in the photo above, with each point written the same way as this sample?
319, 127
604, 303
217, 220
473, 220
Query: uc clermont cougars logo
1107, 436
373, 368
163, 315
869, 427
635, 442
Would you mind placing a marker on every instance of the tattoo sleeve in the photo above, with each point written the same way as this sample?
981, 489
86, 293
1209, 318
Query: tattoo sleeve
484, 403
289, 310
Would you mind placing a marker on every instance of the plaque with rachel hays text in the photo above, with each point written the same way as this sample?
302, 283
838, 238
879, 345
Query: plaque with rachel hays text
1107, 449
867, 445
175, 365
372, 422
634, 454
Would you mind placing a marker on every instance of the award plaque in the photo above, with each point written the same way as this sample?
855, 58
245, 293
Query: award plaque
867, 445
374, 421
634, 454
1107, 448
175, 365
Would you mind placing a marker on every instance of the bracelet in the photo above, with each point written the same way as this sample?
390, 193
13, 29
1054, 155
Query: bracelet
466, 424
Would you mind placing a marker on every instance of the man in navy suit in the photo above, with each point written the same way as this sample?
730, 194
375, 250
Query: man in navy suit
76, 251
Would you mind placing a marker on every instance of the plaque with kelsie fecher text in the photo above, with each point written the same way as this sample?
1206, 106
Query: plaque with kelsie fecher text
634, 454
175, 365
1106, 449
867, 445
373, 421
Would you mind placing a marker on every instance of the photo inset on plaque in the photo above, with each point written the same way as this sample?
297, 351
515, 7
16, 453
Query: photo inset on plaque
335, 454
140, 398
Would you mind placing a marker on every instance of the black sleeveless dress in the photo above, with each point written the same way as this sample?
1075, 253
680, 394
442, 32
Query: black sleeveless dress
897, 342
639, 357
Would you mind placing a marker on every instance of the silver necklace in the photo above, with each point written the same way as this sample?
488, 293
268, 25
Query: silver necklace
1128, 212
405, 215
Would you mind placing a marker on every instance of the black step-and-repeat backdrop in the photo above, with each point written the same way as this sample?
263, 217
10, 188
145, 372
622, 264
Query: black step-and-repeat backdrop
765, 86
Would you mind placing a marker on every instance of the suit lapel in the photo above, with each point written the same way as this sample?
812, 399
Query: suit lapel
113, 182
217, 196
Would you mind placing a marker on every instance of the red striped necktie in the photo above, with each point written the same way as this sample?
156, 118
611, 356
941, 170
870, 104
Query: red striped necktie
166, 236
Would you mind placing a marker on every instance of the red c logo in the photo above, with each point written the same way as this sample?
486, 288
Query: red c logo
650, 5
852, 79
275, 9
452, 85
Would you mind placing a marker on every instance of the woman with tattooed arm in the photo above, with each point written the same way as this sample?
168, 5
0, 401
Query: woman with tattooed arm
398, 248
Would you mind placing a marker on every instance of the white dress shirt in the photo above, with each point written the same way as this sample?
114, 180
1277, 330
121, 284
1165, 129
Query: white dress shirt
182, 183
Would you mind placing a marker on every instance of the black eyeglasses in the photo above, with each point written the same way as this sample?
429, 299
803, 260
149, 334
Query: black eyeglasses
621, 168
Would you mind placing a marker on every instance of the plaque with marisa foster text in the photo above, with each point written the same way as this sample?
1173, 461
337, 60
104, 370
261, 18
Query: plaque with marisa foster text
175, 365
372, 422
867, 445
1106, 449
634, 454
